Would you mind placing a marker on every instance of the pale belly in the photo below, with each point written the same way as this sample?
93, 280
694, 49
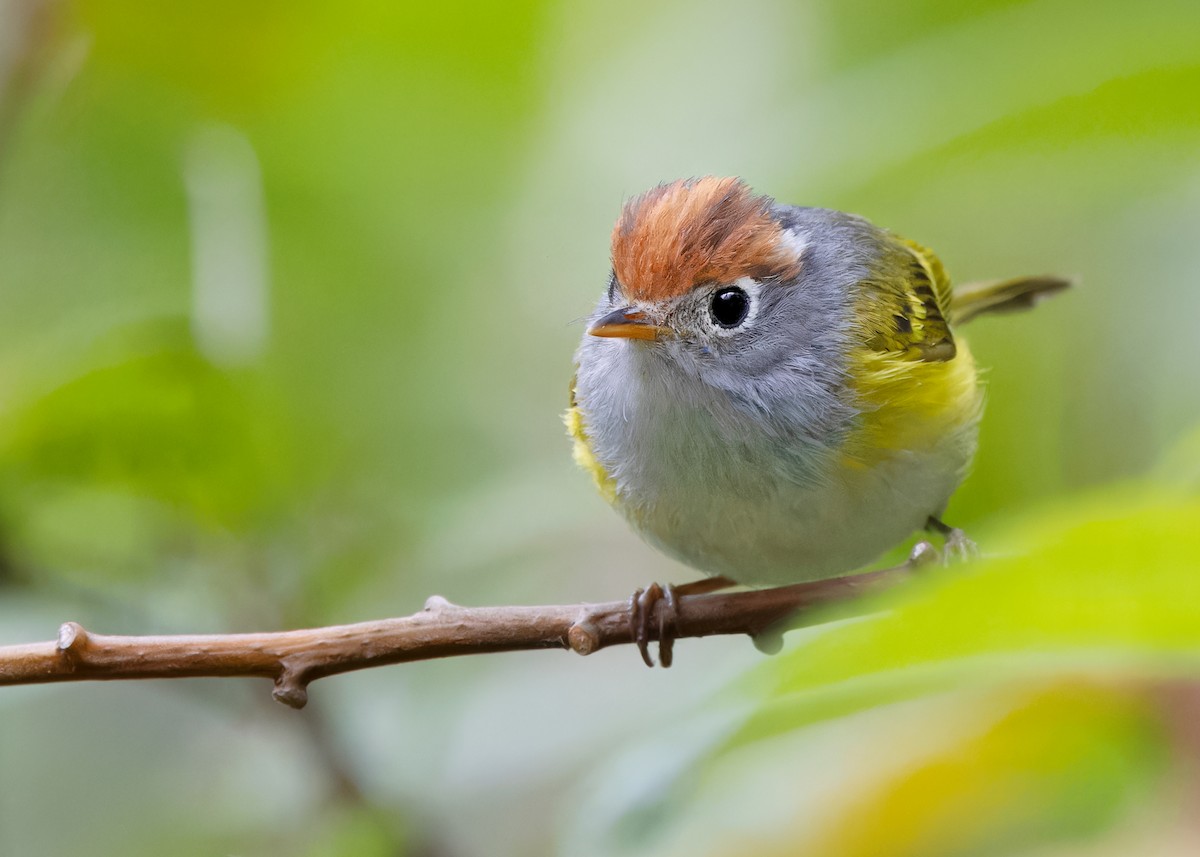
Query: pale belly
789, 532
730, 493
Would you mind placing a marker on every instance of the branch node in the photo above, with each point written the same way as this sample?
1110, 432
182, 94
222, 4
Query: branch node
583, 637
72, 640
435, 603
769, 641
291, 687
923, 554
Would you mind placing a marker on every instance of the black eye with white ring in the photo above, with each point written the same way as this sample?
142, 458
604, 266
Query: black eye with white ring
729, 306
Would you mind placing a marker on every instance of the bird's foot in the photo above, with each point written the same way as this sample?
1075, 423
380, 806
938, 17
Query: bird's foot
641, 612
642, 607
956, 546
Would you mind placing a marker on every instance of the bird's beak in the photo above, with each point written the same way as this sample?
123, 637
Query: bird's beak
628, 323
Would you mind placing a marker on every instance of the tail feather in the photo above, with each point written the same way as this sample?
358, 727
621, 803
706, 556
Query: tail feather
1020, 293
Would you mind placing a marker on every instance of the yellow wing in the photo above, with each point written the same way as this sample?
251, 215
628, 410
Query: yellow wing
916, 383
906, 314
916, 386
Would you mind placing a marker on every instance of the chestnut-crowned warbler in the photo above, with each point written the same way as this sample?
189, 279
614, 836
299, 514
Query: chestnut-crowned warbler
776, 394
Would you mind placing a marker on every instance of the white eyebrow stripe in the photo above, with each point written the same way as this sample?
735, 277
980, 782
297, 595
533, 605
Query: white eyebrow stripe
793, 241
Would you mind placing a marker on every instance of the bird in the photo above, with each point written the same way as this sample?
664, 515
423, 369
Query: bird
774, 394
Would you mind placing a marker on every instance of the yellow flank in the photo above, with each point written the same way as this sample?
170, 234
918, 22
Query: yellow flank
584, 457
910, 404
916, 381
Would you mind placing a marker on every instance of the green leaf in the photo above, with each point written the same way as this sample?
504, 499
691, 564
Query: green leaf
1101, 589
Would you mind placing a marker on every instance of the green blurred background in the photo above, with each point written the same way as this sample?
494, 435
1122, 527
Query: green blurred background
288, 297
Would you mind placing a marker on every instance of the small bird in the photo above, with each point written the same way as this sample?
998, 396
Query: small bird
775, 394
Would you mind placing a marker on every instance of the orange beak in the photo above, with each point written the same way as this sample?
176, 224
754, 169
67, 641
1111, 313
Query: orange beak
628, 323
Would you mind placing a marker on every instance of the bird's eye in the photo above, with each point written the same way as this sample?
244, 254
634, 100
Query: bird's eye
729, 306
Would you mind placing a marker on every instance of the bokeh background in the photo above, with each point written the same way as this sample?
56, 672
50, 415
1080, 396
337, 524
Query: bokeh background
288, 297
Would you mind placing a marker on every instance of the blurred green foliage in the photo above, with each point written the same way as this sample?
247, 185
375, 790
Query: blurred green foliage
286, 304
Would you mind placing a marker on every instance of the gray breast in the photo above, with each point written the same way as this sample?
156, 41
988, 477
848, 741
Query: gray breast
668, 437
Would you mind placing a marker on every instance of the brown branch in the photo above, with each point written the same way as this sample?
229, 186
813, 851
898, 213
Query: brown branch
295, 658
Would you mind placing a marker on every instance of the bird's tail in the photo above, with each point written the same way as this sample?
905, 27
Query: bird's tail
1020, 293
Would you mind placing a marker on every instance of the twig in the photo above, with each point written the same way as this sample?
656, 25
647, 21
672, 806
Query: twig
296, 658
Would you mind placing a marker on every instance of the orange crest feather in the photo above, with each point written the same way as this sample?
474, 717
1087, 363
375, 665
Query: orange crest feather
693, 231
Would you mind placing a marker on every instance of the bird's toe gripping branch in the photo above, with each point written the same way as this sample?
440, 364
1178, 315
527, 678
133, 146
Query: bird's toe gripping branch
659, 605
642, 611
956, 546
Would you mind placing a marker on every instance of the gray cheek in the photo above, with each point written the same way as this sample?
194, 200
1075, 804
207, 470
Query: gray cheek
788, 372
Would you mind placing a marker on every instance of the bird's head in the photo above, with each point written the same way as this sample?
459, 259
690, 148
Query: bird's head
711, 279
689, 260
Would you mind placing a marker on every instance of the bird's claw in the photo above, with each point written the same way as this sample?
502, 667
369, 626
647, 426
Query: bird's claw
641, 613
957, 547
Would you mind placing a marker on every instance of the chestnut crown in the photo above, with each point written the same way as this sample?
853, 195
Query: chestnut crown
692, 231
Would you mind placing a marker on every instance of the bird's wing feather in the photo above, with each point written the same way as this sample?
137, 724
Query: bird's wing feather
997, 296
906, 313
